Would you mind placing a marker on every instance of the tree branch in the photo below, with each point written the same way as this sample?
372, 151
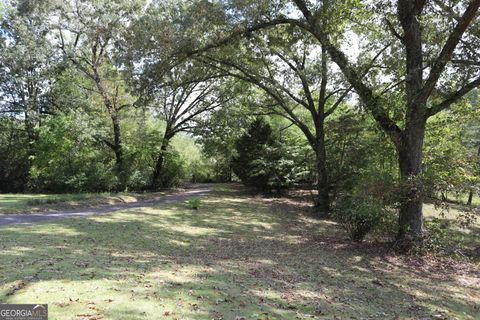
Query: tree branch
446, 54
453, 97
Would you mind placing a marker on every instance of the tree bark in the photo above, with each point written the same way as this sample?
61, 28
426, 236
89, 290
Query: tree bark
323, 198
117, 138
409, 142
410, 153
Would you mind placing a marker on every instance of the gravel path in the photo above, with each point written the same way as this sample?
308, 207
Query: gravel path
195, 190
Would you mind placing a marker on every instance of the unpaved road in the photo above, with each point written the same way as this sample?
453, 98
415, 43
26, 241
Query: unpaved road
195, 190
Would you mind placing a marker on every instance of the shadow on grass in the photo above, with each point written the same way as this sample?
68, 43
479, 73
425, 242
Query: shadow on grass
237, 256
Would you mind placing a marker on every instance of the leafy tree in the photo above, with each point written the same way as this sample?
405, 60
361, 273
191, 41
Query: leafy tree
260, 162
68, 158
27, 66
253, 150
424, 61
423, 96
283, 65
219, 132
87, 32
14, 155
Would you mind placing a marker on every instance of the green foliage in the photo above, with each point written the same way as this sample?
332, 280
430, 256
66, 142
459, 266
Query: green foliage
449, 163
67, 158
14, 162
174, 171
218, 135
260, 161
253, 149
437, 235
194, 203
368, 207
360, 216
357, 149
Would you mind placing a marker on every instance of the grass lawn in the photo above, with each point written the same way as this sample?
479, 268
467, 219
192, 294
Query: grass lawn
21, 202
237, 257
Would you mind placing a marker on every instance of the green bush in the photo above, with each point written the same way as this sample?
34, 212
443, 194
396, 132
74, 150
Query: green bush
358, 215
194, 203
174, 170
368, 207
14, 156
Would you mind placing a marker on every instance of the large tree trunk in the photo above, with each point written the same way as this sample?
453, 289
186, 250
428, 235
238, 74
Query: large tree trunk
410, 160
410, 145
322, 202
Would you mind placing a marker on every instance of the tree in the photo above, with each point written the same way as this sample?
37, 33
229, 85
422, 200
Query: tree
428, 62
219, 132
298, 84
181, 99
423, 96
87, 33
27, 66
260, 161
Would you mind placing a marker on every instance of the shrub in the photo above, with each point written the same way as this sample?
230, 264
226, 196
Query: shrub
368, 207
194, 203
436, 235
359, 215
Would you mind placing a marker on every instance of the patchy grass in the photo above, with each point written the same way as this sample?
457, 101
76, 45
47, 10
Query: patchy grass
24, 203
236, 257
458, 228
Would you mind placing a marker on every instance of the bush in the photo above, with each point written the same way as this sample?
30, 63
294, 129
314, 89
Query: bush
194, 203
436, 235
14, 156
368, 207
359, 216
174, 169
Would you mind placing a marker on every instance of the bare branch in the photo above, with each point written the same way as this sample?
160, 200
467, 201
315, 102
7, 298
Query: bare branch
394, 31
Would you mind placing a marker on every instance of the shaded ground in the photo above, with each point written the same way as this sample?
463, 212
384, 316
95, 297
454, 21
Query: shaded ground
237, 257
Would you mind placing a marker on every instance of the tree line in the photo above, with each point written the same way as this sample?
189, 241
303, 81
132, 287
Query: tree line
373, 103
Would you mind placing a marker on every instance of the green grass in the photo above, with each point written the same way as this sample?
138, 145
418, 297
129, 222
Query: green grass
18, 203
236, 257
